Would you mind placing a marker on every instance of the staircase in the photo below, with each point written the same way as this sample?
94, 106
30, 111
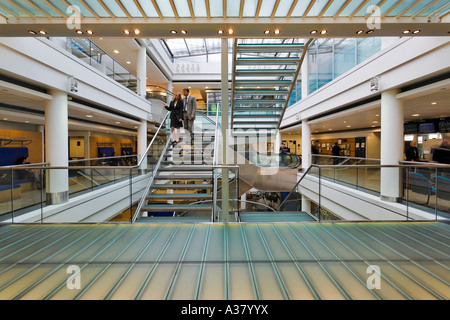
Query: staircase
182, 188
264, 76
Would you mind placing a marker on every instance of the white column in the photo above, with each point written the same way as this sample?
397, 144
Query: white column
306, 204
391, 144
306, 144
142, 71
56, 147
142, 143
170, 89
224, 88
277, 144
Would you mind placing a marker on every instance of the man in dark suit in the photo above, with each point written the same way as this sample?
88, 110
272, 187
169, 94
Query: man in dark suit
189, 109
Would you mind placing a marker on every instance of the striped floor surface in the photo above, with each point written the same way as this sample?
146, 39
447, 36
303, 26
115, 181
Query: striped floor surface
226, 261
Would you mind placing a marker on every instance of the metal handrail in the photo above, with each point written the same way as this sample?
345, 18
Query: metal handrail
36, 166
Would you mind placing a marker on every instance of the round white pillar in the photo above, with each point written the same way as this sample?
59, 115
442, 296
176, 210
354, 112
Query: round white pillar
391, 145
142, 71
142, 143
56, 147
306, 144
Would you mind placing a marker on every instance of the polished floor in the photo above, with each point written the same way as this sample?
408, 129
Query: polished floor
226, 261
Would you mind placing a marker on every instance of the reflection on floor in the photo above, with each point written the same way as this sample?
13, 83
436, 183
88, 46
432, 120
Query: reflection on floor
408, 260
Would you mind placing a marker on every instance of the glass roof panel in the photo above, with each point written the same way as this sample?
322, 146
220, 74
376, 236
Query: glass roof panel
30, 8
249, 8
352, 6
148, 8
13, 9
83, 10
182, 8
387, 5
419, 6
5, 13
99, 10
300, 8
233, 8
334, 8
266, 8
60, 5
317, 8
115, 9
283, 8
216, 8
177, 47
165, 8
433, 8
400, 8
199, 8
131, 8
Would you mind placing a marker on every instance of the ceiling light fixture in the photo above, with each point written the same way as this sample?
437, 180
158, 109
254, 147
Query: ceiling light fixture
313, 31
433, 103
183, 31
173, 31
359, 31
369, 31
126, 31
266, 31
42, 32
128, 62
416, 31
415, 115
137, 31
90, 32
79, 31
230, 31
89, 116
32, 32
406, 31
220, 31
277, 31
116, 51
323, 31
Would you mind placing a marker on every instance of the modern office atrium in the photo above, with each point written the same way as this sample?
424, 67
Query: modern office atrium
317, 166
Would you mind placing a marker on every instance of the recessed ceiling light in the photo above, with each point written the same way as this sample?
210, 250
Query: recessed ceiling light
323, 31
375, 121
89, 116
433, 103
128, 62
26, 121
90, 32
137, 31
206, 87
277, 31
416, 31
173, 31
230, 31
117, 122
42, 32
359, 31
377, 115
126, 31
372, 126
183, 31
5, 118
415, 115
266, 31
330, 129
116, 51
32, 32
406, 31
369, 31
313, 31
220, 31
349, 126
79, 31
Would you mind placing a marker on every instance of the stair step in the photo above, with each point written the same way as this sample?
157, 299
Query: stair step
255, 116
184, 196
264, 72
174, 207
267, 61
186, 168
238, 109
273, 92
182, 186
270, 47
259, 101
165, 220
255, 83
184, 177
